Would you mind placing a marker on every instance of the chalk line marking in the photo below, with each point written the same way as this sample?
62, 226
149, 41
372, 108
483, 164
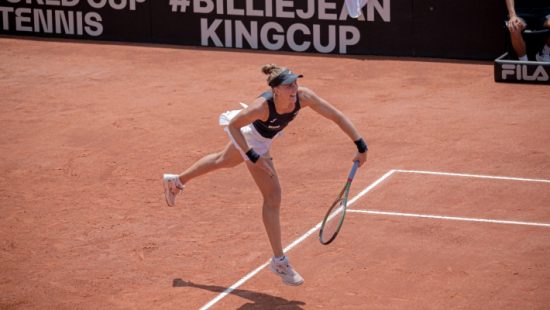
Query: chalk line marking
290, 246
452, 218
473, 176
364, 192
456, 218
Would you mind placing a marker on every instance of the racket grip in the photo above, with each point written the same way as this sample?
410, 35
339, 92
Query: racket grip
353, 170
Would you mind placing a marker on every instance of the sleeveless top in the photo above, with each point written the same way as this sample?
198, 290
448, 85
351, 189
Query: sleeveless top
276, 122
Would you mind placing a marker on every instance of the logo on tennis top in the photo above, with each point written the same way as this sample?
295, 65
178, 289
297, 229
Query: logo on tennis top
273, 121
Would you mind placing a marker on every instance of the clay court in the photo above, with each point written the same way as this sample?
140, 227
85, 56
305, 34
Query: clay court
450, 211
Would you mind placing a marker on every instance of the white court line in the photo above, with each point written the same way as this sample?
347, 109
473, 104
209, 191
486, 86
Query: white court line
290, 246
370, 187
234, 286
461, 218
473, 176
452, 218
365, 191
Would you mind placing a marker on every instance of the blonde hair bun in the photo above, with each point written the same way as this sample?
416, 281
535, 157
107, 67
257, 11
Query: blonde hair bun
269, 68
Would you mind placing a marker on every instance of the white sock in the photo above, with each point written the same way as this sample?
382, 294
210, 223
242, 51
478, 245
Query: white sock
546, 50
524, 58
279, 258
178, 183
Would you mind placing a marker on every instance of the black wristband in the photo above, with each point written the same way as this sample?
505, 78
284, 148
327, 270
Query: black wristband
361, 145
252, 155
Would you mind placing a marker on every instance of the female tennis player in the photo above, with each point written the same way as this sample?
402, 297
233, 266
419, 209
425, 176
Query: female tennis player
252, 131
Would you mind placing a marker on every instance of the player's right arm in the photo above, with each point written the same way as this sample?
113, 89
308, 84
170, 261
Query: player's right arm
258, 110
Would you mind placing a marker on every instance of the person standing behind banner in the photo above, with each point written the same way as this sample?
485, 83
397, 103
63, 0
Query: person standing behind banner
523, 14
355, 7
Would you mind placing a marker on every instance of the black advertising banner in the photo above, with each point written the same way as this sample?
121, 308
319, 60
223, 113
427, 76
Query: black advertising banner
317, 26
78, 19
468, 29
459, 29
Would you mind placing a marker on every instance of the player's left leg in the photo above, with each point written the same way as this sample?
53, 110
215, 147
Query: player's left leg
226, 158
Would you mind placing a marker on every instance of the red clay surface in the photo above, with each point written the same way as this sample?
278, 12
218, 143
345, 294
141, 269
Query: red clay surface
88, 129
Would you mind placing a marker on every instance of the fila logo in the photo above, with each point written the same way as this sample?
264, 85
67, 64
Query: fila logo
521, 74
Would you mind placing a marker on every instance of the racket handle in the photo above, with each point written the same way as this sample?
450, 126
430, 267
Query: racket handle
353, 170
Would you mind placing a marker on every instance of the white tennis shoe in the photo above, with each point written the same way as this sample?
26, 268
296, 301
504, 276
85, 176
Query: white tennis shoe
171, 188
283, 269
543, 57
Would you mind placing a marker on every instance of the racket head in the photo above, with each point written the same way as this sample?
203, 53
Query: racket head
332, 223
334, 218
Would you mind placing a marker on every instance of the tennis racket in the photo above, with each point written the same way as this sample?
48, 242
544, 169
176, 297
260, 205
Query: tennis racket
332, 223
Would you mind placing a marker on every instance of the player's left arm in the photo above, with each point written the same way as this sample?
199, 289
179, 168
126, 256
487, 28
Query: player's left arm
310, 99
